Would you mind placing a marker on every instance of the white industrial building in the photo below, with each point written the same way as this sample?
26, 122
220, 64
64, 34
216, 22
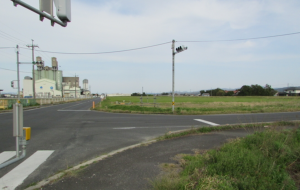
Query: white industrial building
49, 82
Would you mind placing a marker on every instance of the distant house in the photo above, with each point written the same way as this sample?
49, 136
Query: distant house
292, 91
236, 92
205, 94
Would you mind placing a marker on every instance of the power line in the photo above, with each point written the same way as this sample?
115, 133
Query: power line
202, 41
14, 70
243, 39
105, 52
12, 36
6, 47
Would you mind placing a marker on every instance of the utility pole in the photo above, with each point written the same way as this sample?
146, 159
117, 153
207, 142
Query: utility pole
173, 69
18, 75
33, 77
178, 50
75, 85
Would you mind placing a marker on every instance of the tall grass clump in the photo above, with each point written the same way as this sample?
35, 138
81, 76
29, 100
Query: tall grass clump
263, 160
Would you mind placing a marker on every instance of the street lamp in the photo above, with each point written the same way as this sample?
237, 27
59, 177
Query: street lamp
178, 50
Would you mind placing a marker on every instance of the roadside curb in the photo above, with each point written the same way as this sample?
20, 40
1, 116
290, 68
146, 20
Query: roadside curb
60, 174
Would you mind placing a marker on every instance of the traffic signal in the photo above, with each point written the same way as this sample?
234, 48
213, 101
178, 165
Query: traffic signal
12, 84
63, 10
37, 62
180, 49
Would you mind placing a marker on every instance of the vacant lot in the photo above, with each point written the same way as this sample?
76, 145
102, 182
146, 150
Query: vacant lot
201, 105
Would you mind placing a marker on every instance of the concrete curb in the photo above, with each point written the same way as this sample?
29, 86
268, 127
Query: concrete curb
57, 176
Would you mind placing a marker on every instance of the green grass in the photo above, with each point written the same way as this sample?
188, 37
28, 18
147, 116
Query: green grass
226, 127
264, 160
201, 105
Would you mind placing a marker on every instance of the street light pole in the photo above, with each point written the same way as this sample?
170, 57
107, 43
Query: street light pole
173, 73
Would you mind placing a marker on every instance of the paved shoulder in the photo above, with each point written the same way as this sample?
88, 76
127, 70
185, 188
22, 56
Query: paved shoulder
134, 168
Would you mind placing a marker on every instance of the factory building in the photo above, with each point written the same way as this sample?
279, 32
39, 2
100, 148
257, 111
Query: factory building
49, 82
71, 87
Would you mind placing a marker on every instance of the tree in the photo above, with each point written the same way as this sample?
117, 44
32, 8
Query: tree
245, 91
220, 93
269, 91
135, 94
229, 93
256, 90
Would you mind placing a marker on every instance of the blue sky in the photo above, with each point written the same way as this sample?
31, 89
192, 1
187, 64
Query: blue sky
99, 26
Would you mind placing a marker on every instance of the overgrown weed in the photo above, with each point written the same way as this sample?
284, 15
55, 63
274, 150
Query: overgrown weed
268, 159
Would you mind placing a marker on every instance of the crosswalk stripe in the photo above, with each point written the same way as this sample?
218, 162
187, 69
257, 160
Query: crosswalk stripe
207, 122
4, 156
17, 175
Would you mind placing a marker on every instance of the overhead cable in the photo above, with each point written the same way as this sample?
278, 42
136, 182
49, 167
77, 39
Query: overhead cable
199, 41
6, 47
14, 70
244, 39
106, 51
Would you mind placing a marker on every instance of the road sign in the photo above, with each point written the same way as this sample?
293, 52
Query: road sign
173, 103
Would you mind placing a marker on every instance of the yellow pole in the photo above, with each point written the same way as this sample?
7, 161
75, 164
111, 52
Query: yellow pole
93, 105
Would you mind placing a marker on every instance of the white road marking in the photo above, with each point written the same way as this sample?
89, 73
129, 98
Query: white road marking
207, 122
5, 156
125, 128
17, 175
73, 110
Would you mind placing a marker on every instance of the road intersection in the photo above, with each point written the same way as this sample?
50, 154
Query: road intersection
76, 134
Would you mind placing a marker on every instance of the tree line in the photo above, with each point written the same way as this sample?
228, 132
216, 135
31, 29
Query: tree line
245, 90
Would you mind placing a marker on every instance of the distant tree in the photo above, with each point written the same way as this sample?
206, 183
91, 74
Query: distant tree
164, 93
220, 93
256, 90
269, 91
229, 93
245, 91
202, 91
135, 94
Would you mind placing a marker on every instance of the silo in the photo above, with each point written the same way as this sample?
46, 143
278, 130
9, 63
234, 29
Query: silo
85, 85
54, 63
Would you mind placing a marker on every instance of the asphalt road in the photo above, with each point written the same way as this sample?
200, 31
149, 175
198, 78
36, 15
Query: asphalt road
76, 134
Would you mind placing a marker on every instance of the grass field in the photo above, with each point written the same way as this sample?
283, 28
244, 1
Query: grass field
264, 160
201, 105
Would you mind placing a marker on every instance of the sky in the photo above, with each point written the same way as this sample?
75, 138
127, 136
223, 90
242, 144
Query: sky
104, 26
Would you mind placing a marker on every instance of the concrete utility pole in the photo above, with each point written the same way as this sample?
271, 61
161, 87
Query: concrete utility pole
75, 85
173, 69
33, 77
18, 75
